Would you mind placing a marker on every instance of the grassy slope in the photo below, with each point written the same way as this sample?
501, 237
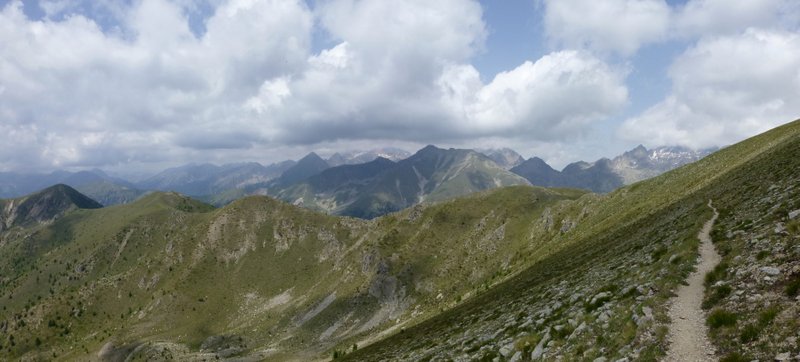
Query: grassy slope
172, 272
639, 237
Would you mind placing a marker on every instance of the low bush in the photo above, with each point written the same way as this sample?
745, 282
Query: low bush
749, 333
717, 294
734, 357
793, 287
719, 272
721, 318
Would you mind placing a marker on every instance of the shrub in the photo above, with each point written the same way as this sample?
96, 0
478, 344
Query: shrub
793, 287
734, 357
721, 318
793, 227
749, 333
717, 294
766, 317
719, 272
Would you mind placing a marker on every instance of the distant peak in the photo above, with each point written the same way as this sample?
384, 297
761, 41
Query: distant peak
312, 156
381, 159
429, 148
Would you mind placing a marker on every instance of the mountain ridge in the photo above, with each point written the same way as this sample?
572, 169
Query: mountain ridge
606, 175
43, 206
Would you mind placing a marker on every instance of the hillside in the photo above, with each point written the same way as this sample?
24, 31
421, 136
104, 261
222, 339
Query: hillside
506, 273
42, 207
282, 281
603, 292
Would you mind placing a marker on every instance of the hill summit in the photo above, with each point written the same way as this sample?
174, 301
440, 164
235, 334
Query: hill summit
43, 206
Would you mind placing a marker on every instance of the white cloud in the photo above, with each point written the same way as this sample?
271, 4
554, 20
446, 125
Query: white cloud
709, 17
355, 90
620, 26
144, 84
556, 97
725, 88
78, 93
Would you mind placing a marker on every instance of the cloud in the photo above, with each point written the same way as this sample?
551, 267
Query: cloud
725, 88
145, 82
555, 98
142, 85
611, 26
716, 17
386, 80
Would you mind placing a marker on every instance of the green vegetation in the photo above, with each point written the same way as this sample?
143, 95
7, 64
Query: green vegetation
793, 286
735, 357
721, 318
717, 294
719, 273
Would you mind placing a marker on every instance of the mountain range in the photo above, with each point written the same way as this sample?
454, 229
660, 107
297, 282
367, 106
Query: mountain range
94, 183
364, 184
511, 273
382, 186
356, 157
606, 175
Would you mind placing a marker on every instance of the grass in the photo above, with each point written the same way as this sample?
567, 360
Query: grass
792, 287
721, 318
717, 294
719, 273
735, 357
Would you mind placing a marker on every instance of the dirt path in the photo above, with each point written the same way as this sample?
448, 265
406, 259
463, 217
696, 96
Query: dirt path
688, 333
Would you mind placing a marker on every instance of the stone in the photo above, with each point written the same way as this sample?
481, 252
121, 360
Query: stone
517, 357
600, 359
538, 351
506, 350
785, 356
794, 214
770, 270
599, 296
577, 330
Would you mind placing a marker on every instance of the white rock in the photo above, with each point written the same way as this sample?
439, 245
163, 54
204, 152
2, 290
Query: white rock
770, 270
517, 357
785, 356
506, 350
600, 359
538, 351
794, 214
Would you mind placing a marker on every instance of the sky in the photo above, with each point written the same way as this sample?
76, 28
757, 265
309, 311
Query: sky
140, 85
